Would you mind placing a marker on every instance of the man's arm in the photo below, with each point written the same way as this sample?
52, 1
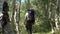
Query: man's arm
25, 18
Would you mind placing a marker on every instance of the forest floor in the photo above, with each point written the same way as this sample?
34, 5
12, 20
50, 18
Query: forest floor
23, 30
37, 29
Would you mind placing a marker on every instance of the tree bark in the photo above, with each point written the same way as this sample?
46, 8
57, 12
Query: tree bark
56, 15
51, 16
12, 19
28, 4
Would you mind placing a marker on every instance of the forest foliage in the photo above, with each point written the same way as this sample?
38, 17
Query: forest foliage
42, 8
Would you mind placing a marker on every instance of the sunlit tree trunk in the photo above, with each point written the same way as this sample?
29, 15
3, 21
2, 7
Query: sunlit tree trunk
17, 17
57, 15
12, 19
51, 17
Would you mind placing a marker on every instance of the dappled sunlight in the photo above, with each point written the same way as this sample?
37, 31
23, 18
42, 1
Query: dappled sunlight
29, 17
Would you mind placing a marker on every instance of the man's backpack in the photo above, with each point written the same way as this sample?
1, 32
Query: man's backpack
30, 16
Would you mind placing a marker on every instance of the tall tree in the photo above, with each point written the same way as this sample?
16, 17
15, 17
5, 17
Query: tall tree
17, 16
56, 15
28, 4
51, 16
12, 19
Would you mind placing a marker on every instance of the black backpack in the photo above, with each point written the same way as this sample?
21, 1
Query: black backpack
31, 16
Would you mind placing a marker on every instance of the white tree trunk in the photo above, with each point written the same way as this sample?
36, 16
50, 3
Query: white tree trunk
16, 21
12, 19
56, 15
51, 17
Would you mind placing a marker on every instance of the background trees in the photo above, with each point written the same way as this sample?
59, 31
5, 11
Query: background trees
46, 15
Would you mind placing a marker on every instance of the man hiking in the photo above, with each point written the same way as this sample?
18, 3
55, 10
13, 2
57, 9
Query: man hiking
29, 20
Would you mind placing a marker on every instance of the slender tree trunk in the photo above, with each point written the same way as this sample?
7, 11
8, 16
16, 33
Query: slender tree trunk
12, 19
28, 4
51, 17
57, 15
46, 11
19, 16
